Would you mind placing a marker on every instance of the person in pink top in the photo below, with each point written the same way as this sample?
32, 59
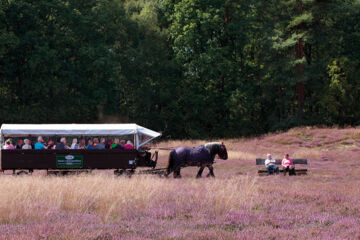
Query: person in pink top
129, 145
288, 165
8, 145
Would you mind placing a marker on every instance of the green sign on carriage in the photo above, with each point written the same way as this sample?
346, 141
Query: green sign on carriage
69, 161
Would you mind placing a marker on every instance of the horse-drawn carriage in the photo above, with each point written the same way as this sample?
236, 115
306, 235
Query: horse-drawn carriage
61, 161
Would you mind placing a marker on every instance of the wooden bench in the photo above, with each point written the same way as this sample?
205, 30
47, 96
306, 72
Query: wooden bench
296, 161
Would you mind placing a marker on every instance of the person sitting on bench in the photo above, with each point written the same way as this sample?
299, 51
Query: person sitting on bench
288, 165
270, 164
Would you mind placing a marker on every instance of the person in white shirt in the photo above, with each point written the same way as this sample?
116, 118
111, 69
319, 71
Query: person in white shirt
270, 164
27, 144
74, 144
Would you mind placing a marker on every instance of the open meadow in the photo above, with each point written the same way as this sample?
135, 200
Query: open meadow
237, 204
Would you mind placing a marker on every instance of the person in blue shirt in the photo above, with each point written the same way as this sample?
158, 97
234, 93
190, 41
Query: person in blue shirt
39, 145
101, 145
90, 145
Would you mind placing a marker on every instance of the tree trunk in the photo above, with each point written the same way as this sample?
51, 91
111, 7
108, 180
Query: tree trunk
300, 68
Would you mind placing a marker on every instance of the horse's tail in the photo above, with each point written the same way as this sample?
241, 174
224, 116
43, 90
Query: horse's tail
170, 166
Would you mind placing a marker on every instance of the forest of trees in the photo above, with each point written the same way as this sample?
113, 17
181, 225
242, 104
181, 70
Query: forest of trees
188, 68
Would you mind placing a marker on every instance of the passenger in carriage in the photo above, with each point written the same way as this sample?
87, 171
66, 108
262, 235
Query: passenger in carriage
50, 144
40, 143
116, 144
109, 143
31, 144
62, 144
82, 144
19, 144
90, 145
27, 144
8, 145
74, 144
122, 142
96, 142
129, 145
101, 145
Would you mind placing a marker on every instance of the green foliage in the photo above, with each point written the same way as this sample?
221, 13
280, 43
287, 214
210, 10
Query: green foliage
338, 98
189, 68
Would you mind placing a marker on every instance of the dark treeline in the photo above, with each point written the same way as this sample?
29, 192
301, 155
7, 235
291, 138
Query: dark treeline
189, 68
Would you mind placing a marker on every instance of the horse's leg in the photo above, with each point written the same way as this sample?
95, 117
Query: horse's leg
177, 172
171, 163
168, 171
200, 171
211, 171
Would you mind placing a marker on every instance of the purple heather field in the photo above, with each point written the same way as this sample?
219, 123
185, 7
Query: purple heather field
237, 204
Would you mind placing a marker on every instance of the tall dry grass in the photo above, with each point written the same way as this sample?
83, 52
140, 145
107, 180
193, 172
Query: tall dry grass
28, 199
236, 205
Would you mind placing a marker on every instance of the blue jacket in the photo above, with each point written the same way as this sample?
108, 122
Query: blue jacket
90, 147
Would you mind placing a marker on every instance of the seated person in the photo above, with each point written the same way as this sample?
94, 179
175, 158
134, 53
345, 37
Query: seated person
31, 143
116, 144
40, 144
270, 164
288, 165
101, 145
74, 144
19, 144
129, 145
90, 145
27, 144
96, 142
50, 144
122, 142
109, 143
8, 145
62, 144
82, 144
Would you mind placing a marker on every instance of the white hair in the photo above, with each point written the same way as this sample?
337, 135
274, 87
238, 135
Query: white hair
268, 155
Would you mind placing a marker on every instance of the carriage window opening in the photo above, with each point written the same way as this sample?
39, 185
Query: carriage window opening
73, 142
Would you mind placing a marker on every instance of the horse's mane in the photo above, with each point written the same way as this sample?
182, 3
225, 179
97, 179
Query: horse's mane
210, 146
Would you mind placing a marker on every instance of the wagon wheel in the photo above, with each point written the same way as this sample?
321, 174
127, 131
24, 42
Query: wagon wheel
123, 173
118, 172
22, 173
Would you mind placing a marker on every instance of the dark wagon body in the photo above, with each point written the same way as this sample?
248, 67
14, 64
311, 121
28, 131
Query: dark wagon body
56, 159
76, 159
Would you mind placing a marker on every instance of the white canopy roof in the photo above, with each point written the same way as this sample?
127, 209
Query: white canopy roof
22, 130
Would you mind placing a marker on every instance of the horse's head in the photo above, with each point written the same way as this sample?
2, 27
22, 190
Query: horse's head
222, 153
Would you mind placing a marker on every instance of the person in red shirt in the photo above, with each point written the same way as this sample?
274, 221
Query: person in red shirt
288, 165
129, 145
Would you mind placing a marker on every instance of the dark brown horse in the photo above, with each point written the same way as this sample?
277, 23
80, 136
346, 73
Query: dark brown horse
201, 156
